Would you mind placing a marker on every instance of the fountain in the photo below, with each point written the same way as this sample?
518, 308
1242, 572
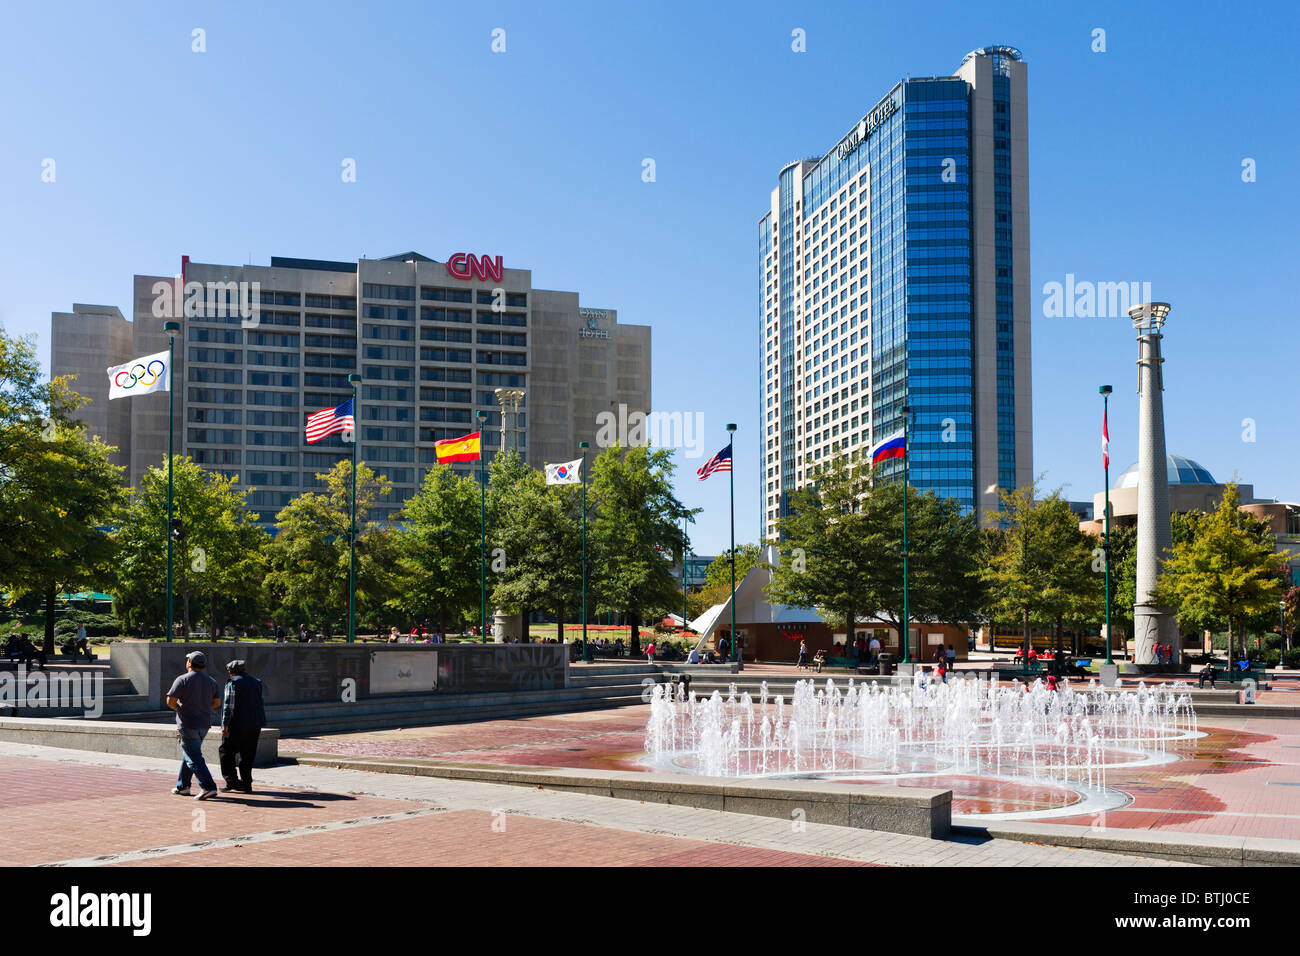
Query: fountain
970, 726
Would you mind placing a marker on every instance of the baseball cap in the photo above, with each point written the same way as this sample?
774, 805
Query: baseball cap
197, 658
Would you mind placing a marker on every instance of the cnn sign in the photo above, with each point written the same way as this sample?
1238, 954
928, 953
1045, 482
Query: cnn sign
469, 266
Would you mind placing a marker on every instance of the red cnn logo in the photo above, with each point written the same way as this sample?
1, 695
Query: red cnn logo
462, 266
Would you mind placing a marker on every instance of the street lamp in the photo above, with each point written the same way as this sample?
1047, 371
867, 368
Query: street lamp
171, 328
354, 380
1105, 391
904, 637
1281, 633
482, 528
586, 654
731, 474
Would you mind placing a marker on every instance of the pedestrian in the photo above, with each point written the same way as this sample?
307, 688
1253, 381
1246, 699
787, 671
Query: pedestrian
875, 648
803, 655
243, 716
279, 634
650, 653
302, 633
940, 672
952, 658
193, 696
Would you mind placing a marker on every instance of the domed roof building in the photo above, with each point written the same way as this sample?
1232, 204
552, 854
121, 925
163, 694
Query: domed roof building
1191, 488
1181, 471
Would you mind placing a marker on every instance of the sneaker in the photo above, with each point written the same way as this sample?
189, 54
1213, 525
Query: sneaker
231, 787
181, 793
206, 795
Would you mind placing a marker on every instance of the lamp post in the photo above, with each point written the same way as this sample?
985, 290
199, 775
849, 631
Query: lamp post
1105, 391
1281, 632
482, 529
685, 519
904, 637
354, 379
586, 654
731, 475
171, 328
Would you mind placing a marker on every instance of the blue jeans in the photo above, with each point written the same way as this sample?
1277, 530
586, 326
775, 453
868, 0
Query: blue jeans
192, 762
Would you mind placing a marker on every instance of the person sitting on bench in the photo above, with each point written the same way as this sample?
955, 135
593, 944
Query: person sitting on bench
819, 659
1208, 673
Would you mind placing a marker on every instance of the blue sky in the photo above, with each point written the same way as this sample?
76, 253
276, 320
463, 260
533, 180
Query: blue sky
536, 154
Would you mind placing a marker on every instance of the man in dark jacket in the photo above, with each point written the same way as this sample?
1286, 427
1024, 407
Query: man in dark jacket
242, 718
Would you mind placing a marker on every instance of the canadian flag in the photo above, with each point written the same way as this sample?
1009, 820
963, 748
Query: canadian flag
1105, 442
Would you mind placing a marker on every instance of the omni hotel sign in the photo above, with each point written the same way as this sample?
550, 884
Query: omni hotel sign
867, 126
591, 328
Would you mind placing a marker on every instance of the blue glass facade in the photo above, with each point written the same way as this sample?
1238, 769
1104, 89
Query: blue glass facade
873, 249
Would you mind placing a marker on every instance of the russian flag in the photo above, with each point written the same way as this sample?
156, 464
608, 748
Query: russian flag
895, 446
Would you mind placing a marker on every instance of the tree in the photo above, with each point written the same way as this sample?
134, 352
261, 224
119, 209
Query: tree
1226, 574
538, 529
70, 491
945, 548
57, 487
438, 566
1039, 565
308, 558
220, 561
829, 548
634, 535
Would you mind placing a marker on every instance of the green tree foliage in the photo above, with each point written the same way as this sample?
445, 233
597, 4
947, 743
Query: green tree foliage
308, 559
70, 492
842, 550
634, 536
538, 529
1226, 574
1040, 566
438, 550
830, 548
219, 565
57, 487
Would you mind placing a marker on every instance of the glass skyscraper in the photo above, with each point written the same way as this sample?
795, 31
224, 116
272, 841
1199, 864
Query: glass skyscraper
895, 271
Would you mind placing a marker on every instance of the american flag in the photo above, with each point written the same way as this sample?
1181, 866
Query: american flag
719, 462
329, 421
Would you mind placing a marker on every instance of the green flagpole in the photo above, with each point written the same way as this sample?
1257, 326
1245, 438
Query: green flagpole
353, 379
731, 474
586, 655
907, 458
171, 328
1105, 537
482, 526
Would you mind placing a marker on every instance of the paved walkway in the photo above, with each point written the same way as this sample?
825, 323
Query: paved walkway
114, 810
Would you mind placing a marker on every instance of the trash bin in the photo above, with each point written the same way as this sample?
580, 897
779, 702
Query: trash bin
886, 665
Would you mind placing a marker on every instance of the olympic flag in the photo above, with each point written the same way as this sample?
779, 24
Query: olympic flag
139, 377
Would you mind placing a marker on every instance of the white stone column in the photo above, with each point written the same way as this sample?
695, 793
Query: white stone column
1152, 624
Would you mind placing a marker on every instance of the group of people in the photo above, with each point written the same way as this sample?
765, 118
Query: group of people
1164, 654
194, 696
420, 634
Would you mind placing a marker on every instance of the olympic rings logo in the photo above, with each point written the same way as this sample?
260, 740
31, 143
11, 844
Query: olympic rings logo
140, 375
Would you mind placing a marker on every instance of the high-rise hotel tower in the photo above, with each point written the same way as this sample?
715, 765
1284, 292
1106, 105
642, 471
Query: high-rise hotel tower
895, 273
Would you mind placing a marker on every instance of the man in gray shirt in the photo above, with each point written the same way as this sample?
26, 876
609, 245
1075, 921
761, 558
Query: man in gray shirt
193, 696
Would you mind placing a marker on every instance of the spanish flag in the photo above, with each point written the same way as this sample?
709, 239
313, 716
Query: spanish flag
464, 448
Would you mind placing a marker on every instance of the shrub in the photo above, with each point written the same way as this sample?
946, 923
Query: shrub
1292, 657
